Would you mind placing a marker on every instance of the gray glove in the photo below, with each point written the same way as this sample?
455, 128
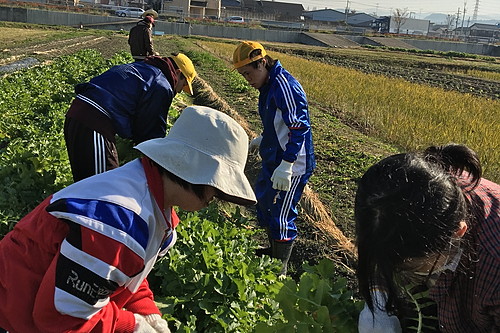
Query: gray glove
141, 325
158, 323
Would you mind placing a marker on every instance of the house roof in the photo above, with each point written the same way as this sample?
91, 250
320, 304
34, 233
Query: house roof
324, 11
284, 4
482, 26
325, 15
360, 17
268, 7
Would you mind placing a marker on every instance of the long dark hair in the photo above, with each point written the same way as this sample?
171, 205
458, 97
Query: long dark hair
408, 206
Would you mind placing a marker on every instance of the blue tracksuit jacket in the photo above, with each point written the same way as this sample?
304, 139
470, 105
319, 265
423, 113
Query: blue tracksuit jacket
286, 136
287, 132
138, 106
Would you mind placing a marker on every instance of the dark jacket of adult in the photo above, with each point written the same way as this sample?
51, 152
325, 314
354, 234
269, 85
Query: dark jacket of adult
140, 41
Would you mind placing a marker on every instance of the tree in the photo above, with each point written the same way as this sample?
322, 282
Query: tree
449, 23
399, 16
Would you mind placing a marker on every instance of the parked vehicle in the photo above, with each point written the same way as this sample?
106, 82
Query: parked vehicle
235, 19
130, 12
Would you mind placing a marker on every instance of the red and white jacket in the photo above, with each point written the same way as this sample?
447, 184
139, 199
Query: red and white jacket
79, 261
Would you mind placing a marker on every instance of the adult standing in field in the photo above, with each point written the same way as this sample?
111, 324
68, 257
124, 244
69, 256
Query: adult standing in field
130, 100
79, 261
428, 218
286, 145
140, 38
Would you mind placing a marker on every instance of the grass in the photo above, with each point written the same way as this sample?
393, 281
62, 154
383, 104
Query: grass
412, 116
438, 59
15, 36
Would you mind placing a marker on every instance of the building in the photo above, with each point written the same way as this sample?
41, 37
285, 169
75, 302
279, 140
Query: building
360, 20
440, 31
484, 32
401, 25
325, 15
192, 8
257, 9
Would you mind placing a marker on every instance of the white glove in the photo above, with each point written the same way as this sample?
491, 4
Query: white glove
380, 321
255, 144
158, 323
141, 325
282, 176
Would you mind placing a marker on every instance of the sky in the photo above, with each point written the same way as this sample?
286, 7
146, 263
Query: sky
487, 9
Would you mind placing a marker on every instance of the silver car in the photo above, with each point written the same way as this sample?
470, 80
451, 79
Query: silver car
130, 12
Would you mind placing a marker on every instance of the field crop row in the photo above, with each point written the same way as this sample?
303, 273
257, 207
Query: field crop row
473, 76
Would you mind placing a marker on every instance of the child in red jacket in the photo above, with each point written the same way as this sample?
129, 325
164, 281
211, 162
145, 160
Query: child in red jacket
79, 261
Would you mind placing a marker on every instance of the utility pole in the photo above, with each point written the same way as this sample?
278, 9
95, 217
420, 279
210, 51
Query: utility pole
456, 23
346, 11
463, 17
476, 9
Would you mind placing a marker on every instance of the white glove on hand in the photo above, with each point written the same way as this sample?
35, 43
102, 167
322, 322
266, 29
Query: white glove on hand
282, 176
380, 321
141, 325
158, 323
255, 144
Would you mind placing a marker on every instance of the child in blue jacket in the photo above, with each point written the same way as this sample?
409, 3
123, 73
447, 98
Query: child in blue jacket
131, 101
286, 145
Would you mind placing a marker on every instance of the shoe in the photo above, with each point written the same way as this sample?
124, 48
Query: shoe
282, 251
263, 251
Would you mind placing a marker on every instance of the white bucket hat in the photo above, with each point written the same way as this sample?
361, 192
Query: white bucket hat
207, 147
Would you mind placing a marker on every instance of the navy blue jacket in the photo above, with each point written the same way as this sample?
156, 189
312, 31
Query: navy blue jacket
136, 97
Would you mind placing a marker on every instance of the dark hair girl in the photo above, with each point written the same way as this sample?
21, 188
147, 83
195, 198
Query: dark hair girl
414, 214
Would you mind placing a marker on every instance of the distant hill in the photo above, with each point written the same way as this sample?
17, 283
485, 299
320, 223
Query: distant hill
436, 18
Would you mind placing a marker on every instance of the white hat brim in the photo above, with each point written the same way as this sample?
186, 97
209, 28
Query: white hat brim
197, 167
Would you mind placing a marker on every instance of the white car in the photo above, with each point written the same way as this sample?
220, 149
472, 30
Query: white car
235, 19
130, 12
